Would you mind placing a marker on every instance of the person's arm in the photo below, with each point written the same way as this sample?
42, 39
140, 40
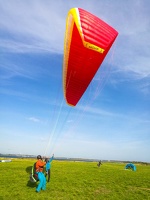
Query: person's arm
50, 160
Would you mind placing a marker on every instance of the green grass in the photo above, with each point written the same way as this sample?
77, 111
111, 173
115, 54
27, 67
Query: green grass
75, 181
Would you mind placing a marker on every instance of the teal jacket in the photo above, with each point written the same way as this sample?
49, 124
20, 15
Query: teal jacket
48, 164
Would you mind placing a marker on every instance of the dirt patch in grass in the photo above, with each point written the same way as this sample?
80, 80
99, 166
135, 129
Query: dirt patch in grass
102, 191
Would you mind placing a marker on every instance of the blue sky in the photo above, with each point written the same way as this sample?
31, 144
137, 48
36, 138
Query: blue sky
111, 121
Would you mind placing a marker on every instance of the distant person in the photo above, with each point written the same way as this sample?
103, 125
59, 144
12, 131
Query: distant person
99, 163
39, 171
48, 167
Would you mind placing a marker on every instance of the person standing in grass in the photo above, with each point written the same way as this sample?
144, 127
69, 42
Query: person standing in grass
99, 163
39, 171
48, 167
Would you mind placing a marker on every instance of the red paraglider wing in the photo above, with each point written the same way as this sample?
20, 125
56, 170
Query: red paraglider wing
87, 41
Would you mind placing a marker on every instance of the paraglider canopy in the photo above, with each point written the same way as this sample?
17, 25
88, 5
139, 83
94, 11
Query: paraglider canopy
130, 166
87, 41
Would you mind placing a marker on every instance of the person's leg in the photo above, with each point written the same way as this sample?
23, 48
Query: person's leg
40, 177
44, 182
49, 174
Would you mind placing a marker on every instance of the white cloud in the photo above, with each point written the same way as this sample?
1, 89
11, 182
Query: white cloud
34, 119
25, 47
35, 23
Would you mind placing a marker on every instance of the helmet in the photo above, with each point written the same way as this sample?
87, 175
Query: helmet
39, 157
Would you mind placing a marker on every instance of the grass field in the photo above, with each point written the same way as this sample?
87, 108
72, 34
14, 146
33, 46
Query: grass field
76, 180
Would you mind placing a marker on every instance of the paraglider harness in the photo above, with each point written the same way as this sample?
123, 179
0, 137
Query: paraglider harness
33, 174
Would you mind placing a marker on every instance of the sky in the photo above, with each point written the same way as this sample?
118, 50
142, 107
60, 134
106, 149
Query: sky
112, 119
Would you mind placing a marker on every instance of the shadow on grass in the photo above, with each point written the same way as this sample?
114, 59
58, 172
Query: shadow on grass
32, 185
28, 169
